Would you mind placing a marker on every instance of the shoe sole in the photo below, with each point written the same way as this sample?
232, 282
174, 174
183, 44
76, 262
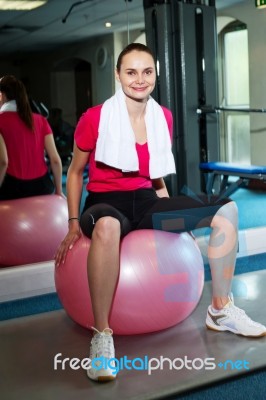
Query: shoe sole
236, 333
102, 378
106, 378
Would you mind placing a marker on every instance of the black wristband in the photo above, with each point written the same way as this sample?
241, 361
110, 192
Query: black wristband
73, 218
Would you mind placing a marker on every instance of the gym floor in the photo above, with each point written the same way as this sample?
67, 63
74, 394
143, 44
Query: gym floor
28, 346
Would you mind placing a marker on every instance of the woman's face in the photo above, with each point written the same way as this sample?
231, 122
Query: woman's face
137, 75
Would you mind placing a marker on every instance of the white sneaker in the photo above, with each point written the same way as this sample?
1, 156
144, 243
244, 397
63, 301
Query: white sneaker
102, 348
233, 319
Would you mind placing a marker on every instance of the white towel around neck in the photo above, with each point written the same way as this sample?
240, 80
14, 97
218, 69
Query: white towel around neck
10, 105
116, 144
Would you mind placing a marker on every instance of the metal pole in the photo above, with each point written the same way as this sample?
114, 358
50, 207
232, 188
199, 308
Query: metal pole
213, 110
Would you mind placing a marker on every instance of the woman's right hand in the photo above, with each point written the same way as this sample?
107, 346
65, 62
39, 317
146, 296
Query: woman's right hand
74, 190
67, 244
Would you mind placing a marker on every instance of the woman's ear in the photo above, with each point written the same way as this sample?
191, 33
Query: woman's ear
117, 75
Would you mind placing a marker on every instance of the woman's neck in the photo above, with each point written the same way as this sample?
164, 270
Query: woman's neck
136, 112
136, 109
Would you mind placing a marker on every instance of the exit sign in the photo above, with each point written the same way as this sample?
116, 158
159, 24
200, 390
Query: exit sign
260, 3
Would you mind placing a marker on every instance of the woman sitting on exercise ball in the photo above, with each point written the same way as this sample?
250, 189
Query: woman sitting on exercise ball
127, 143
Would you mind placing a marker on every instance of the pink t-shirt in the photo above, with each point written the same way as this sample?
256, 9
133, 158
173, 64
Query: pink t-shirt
103, 178
25, 149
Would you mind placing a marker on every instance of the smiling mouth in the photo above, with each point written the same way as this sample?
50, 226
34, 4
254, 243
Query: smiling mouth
140, 89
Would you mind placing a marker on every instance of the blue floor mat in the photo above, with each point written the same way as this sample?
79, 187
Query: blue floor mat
251, 207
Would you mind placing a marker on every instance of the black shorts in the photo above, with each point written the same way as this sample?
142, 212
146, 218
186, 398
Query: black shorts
143, 209
13, 188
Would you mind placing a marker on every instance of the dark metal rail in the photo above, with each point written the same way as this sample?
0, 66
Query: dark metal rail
214, 110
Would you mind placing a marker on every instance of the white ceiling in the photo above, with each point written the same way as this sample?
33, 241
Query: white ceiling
42, 28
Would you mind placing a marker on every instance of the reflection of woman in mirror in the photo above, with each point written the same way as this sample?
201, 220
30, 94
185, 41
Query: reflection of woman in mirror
24, 138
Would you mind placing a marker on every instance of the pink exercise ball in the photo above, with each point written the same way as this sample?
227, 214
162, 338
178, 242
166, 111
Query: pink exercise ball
31, 229
160, 282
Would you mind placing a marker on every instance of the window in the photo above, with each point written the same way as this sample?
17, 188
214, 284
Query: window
235, 89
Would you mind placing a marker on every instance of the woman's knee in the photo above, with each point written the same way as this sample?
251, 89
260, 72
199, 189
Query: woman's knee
229, 211
226, 215
224, 239
107, 229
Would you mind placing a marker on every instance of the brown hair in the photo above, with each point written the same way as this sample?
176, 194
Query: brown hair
132, 47
14, 89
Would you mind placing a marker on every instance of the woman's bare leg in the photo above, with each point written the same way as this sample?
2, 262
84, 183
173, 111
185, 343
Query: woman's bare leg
103, 268
222, 252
